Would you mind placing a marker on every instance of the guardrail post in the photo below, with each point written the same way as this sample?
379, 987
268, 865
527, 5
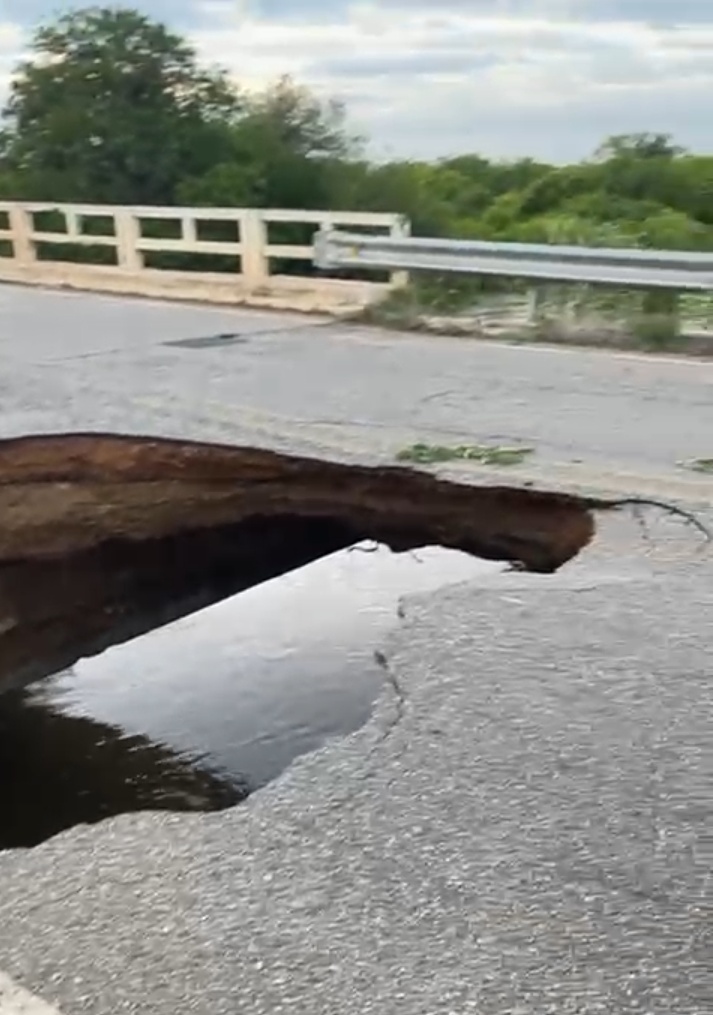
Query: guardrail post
255, 266
659, 323
22, 228
400, 230
534, 302
128, 234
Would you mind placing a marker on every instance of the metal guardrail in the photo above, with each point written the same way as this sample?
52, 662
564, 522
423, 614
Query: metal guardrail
665, 269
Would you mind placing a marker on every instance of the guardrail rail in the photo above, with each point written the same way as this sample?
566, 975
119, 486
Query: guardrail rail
665, 269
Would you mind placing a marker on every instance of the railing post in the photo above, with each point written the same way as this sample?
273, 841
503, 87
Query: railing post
189, 229
255, 266
22, 227
128, 234
71, 220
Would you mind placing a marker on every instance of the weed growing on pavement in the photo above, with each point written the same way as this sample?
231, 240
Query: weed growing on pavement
698, 465
428, 454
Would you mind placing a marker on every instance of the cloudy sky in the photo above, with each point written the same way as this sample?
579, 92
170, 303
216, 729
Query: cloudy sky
548, 78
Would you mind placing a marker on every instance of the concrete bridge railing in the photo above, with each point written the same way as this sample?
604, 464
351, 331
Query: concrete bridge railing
109, 248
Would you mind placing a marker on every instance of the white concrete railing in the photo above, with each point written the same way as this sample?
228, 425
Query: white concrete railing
252, 282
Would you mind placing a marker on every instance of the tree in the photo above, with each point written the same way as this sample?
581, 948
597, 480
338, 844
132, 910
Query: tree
548, 192
111, 107
416, 189
288, 117
283, 151
496, 178
689, 187
668, 229
639, 146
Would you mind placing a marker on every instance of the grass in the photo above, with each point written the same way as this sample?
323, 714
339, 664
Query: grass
568, 313
484, 454
430, 295
699, 465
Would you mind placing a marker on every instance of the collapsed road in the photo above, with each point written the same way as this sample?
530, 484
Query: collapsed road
104, 537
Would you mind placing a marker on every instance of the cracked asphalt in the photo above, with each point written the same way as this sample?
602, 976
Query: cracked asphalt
520, 829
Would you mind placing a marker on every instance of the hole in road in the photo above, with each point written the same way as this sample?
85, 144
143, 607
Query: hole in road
196, 715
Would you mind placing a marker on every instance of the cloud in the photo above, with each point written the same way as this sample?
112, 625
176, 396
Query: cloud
663, 11
549, 78
423, 78
12, 42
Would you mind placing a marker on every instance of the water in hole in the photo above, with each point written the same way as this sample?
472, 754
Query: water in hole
198, 714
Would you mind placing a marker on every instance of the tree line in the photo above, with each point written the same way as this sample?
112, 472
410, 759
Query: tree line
112, 107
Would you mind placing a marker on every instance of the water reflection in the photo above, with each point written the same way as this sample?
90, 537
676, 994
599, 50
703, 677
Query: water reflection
192, 714
61, 770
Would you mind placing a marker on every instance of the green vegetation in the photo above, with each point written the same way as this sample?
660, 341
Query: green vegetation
112, 107
428, 454
699, 465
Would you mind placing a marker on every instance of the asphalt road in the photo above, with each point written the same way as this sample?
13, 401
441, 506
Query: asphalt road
76, 361
520, 827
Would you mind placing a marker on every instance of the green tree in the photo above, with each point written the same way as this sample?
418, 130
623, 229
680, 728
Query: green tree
428, 194
284, 148
638, 146
668, 229
548, 192
684, 183
111, 107
288, 117
496, 178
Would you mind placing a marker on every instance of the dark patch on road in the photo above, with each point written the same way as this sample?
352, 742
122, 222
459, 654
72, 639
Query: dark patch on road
208, 341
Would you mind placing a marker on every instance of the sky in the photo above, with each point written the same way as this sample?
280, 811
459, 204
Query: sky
431, 78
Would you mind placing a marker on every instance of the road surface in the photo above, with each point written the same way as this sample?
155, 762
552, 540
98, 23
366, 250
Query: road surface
519, 828
77, 361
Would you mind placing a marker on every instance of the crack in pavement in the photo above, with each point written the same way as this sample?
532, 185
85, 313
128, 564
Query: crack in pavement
392, 681
308, 821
